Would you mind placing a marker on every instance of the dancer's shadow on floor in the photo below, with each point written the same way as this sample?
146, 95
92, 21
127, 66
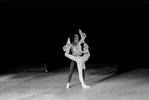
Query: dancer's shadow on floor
100, 74
100, 78
96, 79
130, 75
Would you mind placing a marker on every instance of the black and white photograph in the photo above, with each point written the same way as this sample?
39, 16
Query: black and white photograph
74, 50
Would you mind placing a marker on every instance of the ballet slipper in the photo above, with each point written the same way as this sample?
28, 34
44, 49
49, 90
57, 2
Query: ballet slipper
85, 86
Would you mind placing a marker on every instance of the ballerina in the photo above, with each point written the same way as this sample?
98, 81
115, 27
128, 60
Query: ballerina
78, 55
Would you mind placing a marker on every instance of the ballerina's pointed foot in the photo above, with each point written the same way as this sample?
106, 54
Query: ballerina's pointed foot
86, 86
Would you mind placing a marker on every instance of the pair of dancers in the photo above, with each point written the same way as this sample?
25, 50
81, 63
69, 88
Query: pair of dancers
78, 55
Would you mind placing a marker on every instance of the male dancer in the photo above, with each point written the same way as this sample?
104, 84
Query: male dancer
73, 63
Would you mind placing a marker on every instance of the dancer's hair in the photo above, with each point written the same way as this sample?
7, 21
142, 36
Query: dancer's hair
75, 36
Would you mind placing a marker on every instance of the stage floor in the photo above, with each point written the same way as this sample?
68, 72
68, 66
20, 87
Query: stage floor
105, 85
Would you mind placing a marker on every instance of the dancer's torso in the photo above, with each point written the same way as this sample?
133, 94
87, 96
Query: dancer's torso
76, 50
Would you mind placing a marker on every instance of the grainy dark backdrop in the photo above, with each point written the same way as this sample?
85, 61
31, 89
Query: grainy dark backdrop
34, 32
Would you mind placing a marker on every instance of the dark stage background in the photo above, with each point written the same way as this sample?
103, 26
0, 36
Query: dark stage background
34, 32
